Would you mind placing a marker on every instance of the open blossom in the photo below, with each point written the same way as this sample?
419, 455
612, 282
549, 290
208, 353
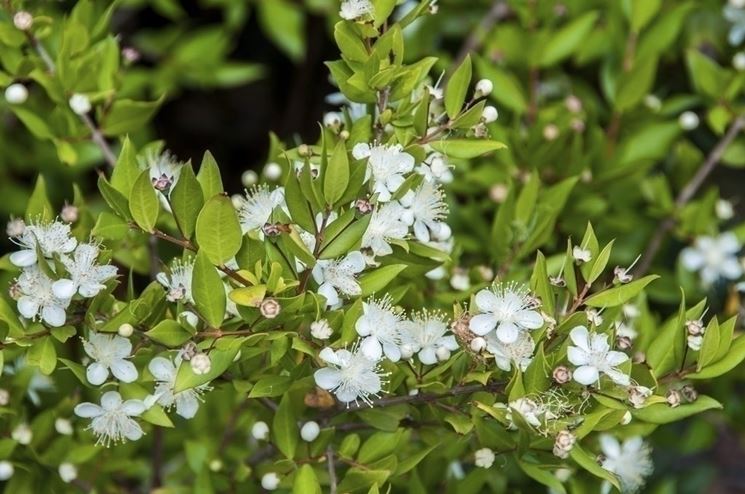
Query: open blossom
518, 353
592, 356
427, 333
354, 9
110, 353
87, 277
258, 205
178, 283
339, 277
51, 238
506, 308
37, 298
484, 458
713, 258
436, 169
386, 165
380, 329
425, 210
164, 168
529, 410
187, 401
351, 376
112, 420
385, 225
630, 461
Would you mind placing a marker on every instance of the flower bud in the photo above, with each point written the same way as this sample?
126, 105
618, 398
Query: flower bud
270, 481
695, 342
407, 351
738, 4
4, 397
460, 280
272, 171
125, 330
304, 150
249, 178
484, 88
738, 61
484, 458
309, 431
723, 208
581, 255
478, 344
442, 353
344, 135
332, 120
489, 114
624, 342
639, 357
321, 330
270, 308
22, 434
130, 55
577, 125
260, 431
67, 472
673, 398
80, 104
237, 200
562, 375
69, 213
23, 20
15, 227
695, 327
498, 193
16, 94
563, 444
63, 426
364, 206
215, 465
689, 392
688, 120
413, 391
550, 132
652, 102
200, 364
6, 470
638, 395
573, 103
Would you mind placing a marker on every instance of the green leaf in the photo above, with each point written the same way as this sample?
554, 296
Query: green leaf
169, 333
620, 294
298, 205
284, 22
351, 46
116, 201
336, 175
662, 413
735, 355
248, 296
636, 84
218, 231
466, 148
306, 481
128, 116
346, 240
565, 41
186, 201
708, 78
126, 170
377, 446
542, 476
643, 11
710, 344
208, 290
43, 355
457, 88
38, 207
143, 202
284, 428
599, 263
378, 279
209, 176
270, 386
584, 460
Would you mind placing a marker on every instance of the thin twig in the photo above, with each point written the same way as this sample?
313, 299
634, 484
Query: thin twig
687, 193
332, 469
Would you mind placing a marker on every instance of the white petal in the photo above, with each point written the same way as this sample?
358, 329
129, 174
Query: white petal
618, 377
327, 378
64, 288
162, 369
370, 348
124, 370
354, 261
121, 346
90, 290
528, 319
88, 410
481, 324
133, 431
427, 355
392, 352
361, 151
328, 291
507, 332
486, 301
111, 400
586, 375
54, 315
728, 242
421, 232
96, 373
731, 269
614, 358
581, 337
134, 408
610, 446
28, 307
577, 356
23, 258
187, 405
691, 259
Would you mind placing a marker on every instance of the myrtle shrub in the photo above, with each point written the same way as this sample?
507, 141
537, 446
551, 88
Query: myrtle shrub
367, 318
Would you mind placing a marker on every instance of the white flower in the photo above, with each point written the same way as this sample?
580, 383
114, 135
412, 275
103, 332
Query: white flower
200, 364
67, 472
427, 332
386, 166
164, 168
529, 410
354, 9
385, 225
187, 402
260, 431
50, 238
351, 376
37, 298
489, 114
310, 431
484, 458
581, 255
688, 120
270, 481
380, 329
519, 352
16, 94
80, 104
112, 420
87, 277
436, 169
110, 353
713, 258
460, 280
6, 470
258, 206
509, 309
425, 208
484, 88
631, 461
63, 426
22, 434
338, 277
321, 329
178, 283
592, 356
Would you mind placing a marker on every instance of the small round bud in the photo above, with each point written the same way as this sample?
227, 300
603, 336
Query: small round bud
484, 88
561, 375
270, 308
125, 330
15, 227
270, 481
321, 329
695, 327
738, 61
689, 392
550, 132
237, 201
260, 431
653, 102
623, 342
130, 55
80, 104
4, 397
484, 458
332, 120
309, 431
688, 120
67, 472
272, 171
498, 193
626, 419
478, 344
673, 398
249, 178
200, 364
724, 210
486, 273
344, 135
573, 103
563, 444
6, 470
304, 150
23, 20
16, 94
413, 391
581, 255
407, 351
442, 353
489, 115
460, 280
22, 434
69, 213
215, 465
63, 426
364, 206
638, 395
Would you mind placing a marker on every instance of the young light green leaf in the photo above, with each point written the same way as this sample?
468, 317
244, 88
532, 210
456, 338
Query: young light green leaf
336, 175
208, 290
466, 148
218, 231
209, 176
143, 202
38, 206
186, 201
378, 279
169, 333
457, 88
620, 294
284, 428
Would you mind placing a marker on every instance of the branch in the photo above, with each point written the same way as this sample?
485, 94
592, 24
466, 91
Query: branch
332, 469
687, 193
